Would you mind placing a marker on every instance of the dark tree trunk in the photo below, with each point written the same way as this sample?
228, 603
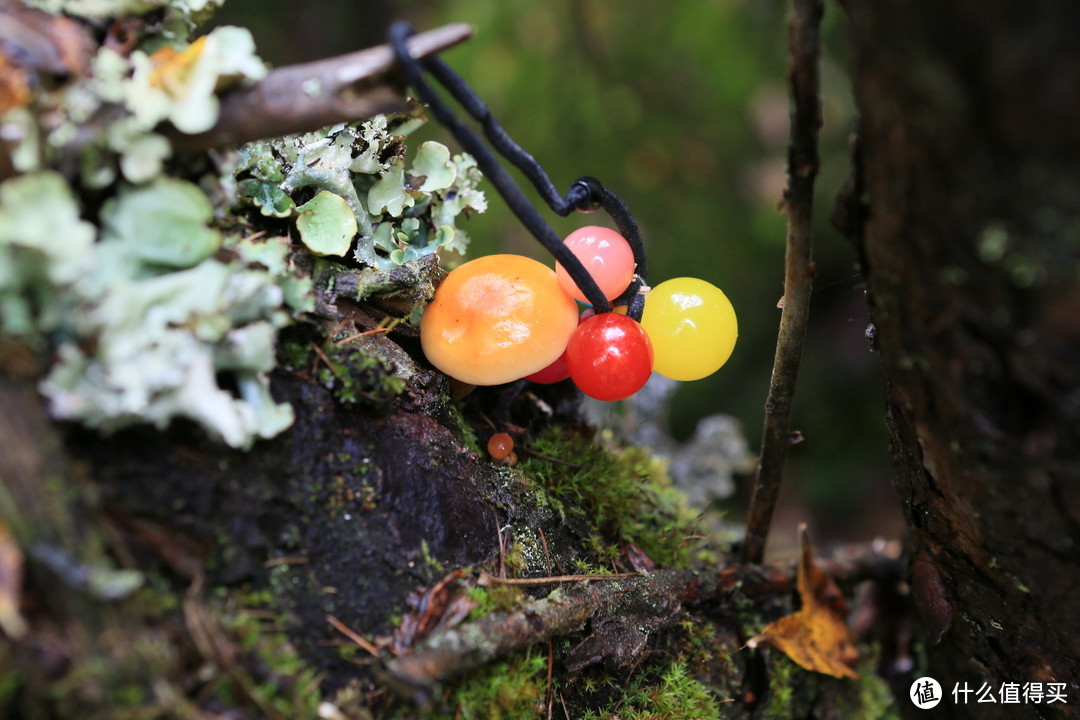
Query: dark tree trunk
965, 210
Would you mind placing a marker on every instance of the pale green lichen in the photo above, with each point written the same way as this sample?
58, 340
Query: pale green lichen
326, 224
403, 211
179, 83
181, 86
43, 243
178, 15
162, 223
433, 164
462, 196
389, 194
161, 299
145, 318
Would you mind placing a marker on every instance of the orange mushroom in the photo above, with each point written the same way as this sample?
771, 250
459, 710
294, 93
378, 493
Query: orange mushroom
496, 319
500, 445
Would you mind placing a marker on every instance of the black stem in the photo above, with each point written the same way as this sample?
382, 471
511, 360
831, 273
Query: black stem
585, 194
632, 297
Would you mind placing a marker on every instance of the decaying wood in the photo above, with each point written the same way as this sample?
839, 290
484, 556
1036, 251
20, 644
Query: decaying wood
804, 46
621, 614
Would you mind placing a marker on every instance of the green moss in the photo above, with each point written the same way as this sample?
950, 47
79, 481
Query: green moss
624, 492
795, 692
780, 700
453, 419
677, 696
509, 690
512, 689
430, 562
871, 698
699, 638
498, 598
356, 377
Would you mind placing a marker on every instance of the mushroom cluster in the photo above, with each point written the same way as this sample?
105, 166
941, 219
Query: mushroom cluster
500, 318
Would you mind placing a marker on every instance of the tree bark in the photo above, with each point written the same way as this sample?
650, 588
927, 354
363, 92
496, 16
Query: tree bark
964, 211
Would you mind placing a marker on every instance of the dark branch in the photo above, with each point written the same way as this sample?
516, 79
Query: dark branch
804, 47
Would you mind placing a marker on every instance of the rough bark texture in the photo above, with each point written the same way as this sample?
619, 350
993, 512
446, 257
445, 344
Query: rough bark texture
964, 209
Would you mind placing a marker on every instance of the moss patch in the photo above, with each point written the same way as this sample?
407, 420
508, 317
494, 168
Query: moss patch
677, 696
622, 492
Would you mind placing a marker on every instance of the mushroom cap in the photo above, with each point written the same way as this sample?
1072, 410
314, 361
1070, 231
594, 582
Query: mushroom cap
496, 319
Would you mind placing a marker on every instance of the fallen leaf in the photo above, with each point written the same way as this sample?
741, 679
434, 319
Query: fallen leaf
431, 609
38, 42
817, 636
11, 565
14, 88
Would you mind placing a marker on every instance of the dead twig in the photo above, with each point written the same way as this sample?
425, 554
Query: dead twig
308, 96
803, 163
348, 632
489, 579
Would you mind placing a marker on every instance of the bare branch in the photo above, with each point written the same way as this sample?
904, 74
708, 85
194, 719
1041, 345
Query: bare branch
804, 48
297, 98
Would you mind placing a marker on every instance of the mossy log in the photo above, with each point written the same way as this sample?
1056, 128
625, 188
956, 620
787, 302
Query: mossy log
331, 527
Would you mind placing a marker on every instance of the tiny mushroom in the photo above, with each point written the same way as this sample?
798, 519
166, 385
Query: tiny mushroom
497, 319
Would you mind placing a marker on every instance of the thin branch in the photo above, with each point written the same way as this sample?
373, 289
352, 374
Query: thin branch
297, 98
360, 641
803, 163
489, 579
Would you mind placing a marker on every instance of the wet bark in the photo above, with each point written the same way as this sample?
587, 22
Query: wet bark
964, 210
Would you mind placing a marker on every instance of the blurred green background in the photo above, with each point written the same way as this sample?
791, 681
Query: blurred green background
681, 109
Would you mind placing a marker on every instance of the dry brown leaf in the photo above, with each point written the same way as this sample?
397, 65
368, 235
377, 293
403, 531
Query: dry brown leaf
38, 42
431, 609
14, 89
817, 636
11, 564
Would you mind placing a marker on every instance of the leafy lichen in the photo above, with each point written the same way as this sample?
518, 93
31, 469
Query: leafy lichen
162, 298
181, 85
326, 224
402, 212
178, 16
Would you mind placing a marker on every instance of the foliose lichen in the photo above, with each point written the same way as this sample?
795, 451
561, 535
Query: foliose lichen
402, 213
158, 285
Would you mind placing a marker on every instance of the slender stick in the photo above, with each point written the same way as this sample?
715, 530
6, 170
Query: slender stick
297, 98
803, 163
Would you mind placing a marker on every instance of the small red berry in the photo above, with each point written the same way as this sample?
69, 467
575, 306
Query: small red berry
553, 373
609, 356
